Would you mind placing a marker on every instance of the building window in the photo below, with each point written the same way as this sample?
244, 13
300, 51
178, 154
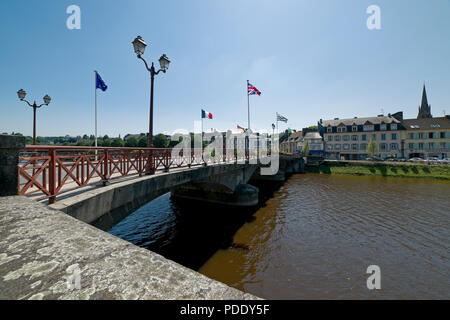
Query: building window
393, 126
330, 138
383, 147
368, 128
363, 146
354, 128
345, 138
383, 127
430, 135
364, 137
354, 147
337, 138
354, 138
411, 146
411, 136
383, 136
442, 135
341, 129
329, 129
394, 136
421, 146
329, 147
420, 135
337, 147
442, 145
346, 146
430, 145
394, 146
374, 136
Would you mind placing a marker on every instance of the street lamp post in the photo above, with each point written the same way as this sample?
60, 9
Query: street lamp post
139, 48
21, 94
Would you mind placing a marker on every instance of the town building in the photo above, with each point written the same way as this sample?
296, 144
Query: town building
292, 142
426, 136
315, 143
348, 138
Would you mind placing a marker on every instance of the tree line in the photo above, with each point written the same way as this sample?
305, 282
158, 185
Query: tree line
159, 141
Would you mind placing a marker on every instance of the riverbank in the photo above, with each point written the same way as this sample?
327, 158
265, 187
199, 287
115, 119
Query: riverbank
380, 169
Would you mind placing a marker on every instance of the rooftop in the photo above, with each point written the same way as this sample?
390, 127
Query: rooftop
427, 123
360, 121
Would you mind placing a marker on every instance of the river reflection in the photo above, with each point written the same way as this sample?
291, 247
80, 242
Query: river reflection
314, 239
318, 234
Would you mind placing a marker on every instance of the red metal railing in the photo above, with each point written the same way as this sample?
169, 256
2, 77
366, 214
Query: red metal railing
48, 171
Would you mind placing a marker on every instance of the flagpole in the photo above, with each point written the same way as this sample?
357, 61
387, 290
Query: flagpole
277, 125
201, 142
248, 106
95, 84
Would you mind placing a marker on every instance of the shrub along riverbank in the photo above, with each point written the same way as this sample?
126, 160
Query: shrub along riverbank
387, 170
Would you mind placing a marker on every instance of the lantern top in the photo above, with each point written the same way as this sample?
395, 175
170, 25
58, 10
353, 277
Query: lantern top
47, 99
139, 45
21, 94
164, 62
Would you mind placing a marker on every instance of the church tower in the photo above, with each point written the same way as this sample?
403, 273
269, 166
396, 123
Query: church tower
425, 108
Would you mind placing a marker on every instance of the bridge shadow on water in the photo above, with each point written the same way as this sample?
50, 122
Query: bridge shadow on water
186, 231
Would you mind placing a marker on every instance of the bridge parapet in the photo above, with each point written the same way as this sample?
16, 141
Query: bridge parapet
10, 147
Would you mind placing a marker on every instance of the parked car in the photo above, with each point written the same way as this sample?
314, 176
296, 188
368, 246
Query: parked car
433, 160
444, 161
373, 158
415, 159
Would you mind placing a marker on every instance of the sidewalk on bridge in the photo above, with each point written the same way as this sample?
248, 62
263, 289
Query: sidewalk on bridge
39, 244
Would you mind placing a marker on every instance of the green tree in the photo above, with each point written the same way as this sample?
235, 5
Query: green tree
40, 140
117, 142
143, 142
105, 137
160, 141
372, 147
131, 142
85, 137
306, 148
105, 143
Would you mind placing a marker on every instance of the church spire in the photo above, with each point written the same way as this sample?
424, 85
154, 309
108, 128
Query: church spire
425, 108
424, 97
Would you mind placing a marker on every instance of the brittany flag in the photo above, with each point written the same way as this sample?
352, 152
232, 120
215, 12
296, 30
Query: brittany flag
206, 115
252, 90
240, 128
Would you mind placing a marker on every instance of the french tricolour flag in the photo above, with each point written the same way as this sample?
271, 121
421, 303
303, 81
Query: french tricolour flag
206, 114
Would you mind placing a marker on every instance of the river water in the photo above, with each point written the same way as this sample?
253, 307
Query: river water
313, 238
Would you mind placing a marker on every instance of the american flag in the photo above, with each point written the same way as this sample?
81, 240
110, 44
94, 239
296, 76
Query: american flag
252, 90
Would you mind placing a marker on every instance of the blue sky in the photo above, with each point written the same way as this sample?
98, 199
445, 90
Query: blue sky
311, 60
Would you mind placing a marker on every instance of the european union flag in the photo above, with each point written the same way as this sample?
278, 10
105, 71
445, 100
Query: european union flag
100, 84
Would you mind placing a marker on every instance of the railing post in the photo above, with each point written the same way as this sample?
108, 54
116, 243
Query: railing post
106, 167
10, 147
224, 144
150, 168
235, 150
52, 175
167, 159
257, 147
247, 149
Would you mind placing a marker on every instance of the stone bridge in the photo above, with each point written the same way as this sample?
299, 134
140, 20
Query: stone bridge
43, 247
